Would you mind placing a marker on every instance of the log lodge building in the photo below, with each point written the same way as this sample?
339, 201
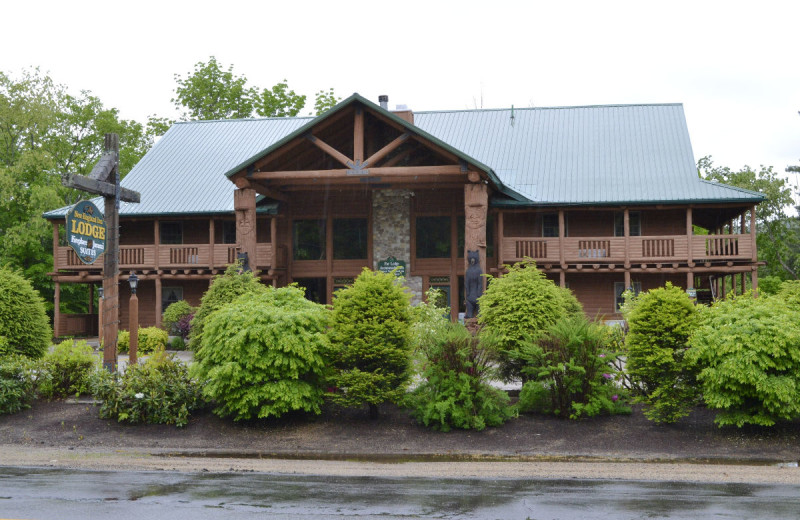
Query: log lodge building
602, 198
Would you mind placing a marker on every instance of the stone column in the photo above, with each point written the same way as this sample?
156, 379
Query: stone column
391, 232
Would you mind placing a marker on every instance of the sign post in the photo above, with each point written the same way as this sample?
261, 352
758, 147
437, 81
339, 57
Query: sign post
104, 180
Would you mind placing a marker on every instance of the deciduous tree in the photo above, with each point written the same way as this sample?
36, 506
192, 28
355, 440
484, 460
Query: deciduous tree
778, 233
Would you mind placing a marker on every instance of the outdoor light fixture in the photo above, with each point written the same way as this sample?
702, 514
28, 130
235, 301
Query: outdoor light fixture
100, 292
134, 281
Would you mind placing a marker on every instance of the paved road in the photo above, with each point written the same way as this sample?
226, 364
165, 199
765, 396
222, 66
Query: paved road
66, 494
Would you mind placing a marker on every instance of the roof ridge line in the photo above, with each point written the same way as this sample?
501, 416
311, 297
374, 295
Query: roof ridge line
565, 107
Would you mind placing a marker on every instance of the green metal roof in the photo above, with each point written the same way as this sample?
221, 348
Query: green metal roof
562, 156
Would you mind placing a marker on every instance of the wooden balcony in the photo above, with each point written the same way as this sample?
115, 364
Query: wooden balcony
642, 249
184, 256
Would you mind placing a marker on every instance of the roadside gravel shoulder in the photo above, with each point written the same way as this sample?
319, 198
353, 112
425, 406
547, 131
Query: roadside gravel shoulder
125, 460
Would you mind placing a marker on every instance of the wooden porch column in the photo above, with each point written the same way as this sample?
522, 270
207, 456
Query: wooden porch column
156, 241
562, 279
627, 279
159, 310
754, 274
55, 246
244, 203
57, 311
500, 231
626, 224
689, 256
273, 238
211, 262
476, 206
561, 222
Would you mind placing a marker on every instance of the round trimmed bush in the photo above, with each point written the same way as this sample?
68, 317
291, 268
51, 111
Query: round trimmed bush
517, 308
371, 339
23, 321
224, 289
264, 355
747, 351
660, 323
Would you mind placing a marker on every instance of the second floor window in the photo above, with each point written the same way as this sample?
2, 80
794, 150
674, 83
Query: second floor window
171, 232
635, 223
550, 225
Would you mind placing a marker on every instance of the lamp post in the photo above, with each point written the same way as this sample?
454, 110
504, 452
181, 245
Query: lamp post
133, 280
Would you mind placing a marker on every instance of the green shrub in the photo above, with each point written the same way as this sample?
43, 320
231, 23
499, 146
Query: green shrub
70, 366
455, 390
428, 318
789, 291
264, 355
23, 321
660, 322
177, 343
371, 341
172, 317
571, 371
224, 289
158, 391
747, 352
151, 339
19, 376
519, 306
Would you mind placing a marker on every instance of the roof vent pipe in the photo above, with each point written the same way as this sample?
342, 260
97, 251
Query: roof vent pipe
383, 99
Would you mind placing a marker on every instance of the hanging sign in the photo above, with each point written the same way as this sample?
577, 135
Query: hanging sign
86, 231
390, 264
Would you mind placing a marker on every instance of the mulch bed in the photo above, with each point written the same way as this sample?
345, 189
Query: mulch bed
343, 433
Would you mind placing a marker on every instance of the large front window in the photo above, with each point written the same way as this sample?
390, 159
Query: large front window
308, 239
350, 238
433, 237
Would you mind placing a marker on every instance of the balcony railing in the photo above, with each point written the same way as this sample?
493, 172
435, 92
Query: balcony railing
611, 250
185, 256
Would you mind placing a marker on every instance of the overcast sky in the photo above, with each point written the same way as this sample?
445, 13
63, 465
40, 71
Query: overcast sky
735, 65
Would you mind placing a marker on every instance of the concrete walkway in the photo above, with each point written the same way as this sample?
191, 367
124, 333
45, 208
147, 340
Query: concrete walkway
186, 356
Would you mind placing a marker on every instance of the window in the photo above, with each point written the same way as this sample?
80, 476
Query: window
433, 237
550, 225
170, 295
171, 232
619, 288
228, 232
350, 239
308, 239
635, 223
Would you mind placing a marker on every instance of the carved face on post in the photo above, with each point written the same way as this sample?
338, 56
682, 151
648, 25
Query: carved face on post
243, 223
476, 226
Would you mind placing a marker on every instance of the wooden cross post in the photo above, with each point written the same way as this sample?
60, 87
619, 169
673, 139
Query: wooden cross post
104, 180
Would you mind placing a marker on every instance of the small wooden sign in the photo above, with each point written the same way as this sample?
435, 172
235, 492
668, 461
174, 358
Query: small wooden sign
86, 231
392, 264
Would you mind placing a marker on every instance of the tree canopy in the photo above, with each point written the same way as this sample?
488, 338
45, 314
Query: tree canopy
212, 92
778, 233
46, 133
